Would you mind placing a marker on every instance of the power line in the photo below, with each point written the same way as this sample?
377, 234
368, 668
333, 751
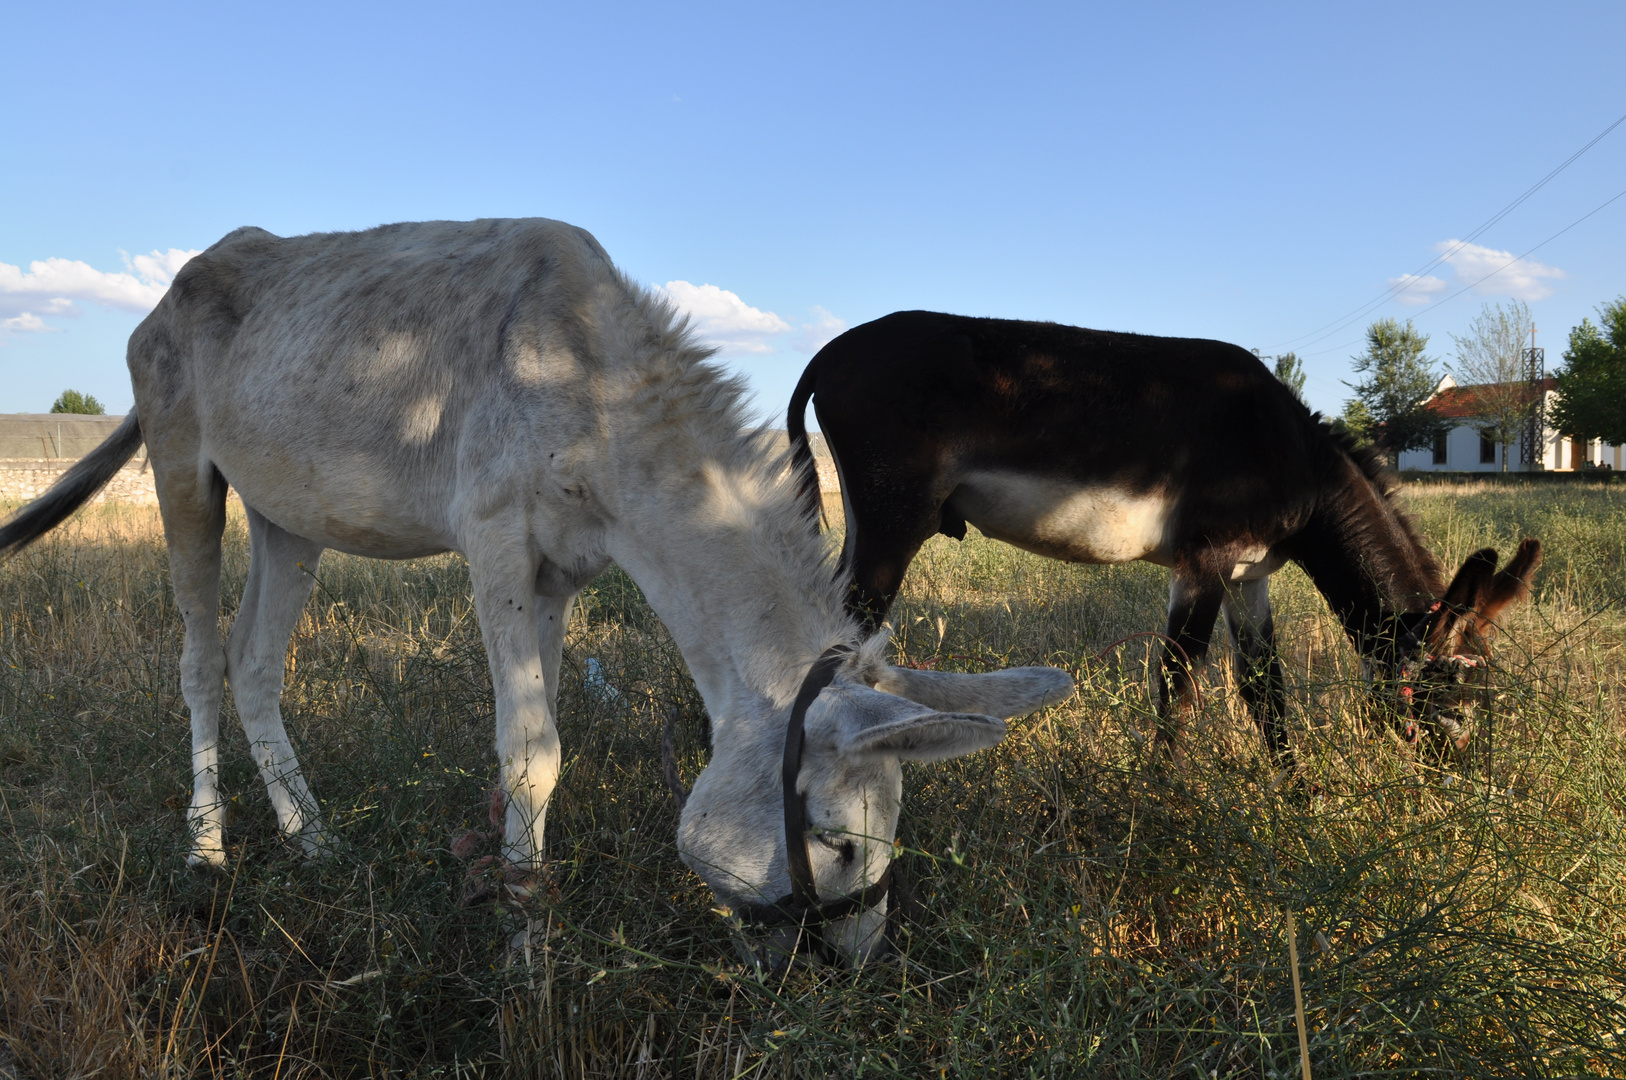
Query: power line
1516, 259
1520, 258
1392, 291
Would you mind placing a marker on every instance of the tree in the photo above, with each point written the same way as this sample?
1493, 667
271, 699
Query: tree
1290, 370
72, 401
1592, 385
1400, 378
1490, 368
1357, 421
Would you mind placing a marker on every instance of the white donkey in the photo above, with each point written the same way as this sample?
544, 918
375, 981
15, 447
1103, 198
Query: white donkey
499, 389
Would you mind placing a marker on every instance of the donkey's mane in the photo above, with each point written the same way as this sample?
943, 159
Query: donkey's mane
700, 410
1386, 485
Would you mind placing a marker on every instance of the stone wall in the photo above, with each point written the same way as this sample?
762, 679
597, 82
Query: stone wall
23, 479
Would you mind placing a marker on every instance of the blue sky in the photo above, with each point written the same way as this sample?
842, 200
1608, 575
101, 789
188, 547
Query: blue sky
1246, 172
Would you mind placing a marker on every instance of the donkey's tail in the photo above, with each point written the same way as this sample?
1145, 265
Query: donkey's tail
71, 492
801, 453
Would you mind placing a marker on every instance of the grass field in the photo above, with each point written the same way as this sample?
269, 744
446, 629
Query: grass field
1085, 915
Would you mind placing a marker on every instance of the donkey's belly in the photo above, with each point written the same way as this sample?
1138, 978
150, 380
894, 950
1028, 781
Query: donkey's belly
1062, 520
341, 506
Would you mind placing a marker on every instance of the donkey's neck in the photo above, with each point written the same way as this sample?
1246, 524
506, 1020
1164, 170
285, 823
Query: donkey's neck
706, 520
745, 586
1367, 560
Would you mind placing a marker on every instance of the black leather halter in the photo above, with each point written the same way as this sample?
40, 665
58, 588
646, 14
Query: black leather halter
802, 907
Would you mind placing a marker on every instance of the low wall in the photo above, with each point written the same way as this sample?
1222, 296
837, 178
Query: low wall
22, 479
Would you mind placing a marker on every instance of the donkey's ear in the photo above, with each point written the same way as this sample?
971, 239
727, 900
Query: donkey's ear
1461, 597
1513, 583
1012, 692
1510, 585
929, 736
864, 724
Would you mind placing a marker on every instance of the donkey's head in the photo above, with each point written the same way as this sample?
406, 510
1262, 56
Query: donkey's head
1445, 673
843, 813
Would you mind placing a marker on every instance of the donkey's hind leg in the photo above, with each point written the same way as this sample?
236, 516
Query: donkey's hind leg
1257, 665
1194, 603
883, 537
281, 573
193, 504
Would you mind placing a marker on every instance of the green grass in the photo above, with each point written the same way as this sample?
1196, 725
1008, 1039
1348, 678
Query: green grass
1085, 914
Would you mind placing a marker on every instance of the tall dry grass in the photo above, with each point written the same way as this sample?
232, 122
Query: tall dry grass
1086, 914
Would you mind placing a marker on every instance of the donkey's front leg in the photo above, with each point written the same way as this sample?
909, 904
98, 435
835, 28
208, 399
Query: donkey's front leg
1258, 667
1194, 603
511, 616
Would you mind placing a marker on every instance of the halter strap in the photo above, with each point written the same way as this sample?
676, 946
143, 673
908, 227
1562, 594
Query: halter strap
802, 907
797, 858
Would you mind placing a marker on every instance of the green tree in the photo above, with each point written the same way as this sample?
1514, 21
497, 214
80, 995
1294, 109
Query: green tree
72, 401
1400, 378
1356, 421
1490, 359
1592, 384
1290, 370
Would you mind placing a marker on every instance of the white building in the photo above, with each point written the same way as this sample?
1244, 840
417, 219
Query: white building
1464, 449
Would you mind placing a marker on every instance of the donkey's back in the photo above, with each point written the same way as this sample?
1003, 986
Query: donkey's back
344, 382
1083, 444
1000, 388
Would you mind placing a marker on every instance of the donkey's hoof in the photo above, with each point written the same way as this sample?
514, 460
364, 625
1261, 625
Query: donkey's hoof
211, 858
519, 943
310, 847
491, 878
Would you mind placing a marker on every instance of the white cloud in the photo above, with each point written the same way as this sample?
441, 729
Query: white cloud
1522, 279
1417, 290
160, 265
54, 286
26, 323
723, 319
817, 334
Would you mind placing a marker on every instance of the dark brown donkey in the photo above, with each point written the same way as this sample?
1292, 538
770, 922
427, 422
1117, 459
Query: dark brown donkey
1102, 447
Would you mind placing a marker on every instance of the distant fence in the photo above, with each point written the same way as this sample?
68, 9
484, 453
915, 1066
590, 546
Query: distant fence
37, 448
41, 436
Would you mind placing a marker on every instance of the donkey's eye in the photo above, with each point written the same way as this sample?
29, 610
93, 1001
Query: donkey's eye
840, 845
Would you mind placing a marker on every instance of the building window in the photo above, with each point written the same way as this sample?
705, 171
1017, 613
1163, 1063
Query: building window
1439, 448
1487, 450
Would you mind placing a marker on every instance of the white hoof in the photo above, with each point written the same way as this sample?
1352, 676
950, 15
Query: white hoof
312, 843
206, 858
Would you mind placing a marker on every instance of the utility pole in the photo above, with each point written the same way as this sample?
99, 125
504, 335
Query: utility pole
1535, 427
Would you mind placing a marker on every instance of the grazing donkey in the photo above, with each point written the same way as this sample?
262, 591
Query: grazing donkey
499, 389
1102, 447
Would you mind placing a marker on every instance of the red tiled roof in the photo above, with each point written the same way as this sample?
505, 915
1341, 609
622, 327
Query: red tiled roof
1464, 401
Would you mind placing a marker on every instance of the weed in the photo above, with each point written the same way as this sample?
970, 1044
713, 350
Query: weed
1086, 914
